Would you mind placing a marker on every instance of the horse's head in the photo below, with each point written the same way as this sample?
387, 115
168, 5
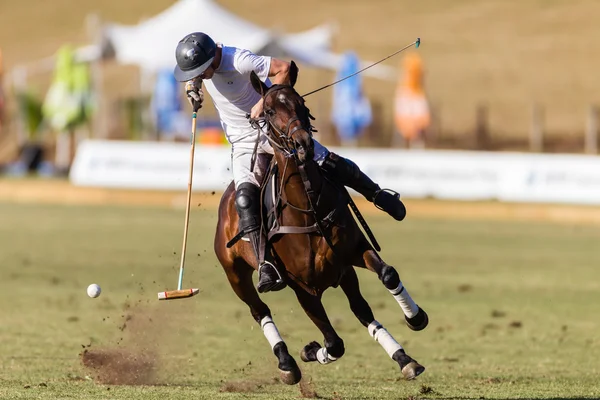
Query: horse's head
287, 117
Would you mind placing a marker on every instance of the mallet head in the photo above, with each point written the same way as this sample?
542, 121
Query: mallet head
177, 294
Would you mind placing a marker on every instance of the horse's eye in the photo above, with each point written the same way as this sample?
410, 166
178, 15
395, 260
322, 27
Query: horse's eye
270, 112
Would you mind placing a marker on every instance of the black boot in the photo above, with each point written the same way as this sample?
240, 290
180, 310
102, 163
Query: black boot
348, 174
247, 204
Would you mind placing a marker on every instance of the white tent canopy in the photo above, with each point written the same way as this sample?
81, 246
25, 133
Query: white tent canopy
151, 44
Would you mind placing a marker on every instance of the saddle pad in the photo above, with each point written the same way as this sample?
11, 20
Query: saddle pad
269, 195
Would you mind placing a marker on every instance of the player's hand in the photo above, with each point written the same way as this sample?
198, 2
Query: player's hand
257, 110
195, 96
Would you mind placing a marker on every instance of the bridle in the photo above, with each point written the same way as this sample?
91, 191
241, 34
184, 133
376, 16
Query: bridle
287, 145
285, 142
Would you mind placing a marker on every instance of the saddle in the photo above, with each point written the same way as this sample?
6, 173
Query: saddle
274, 201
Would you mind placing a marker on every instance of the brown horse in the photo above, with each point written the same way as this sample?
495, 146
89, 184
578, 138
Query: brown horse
318, 242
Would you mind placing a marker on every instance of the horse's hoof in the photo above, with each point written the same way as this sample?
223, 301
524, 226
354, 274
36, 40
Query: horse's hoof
412, 370
288, 368
419, 321
309, 352
290, 377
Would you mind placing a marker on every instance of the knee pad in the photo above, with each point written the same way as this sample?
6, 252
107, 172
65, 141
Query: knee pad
246, 196
247, 204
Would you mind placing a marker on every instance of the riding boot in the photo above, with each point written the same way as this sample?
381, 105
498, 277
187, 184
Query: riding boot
269, 278
348, 174
247, 204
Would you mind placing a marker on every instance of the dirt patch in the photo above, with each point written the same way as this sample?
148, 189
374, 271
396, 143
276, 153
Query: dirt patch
135, 359
120, 366
307, 389
424, 389
515, 324
246, 386
464, 288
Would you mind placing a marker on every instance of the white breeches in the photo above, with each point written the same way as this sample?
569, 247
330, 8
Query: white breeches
241, 158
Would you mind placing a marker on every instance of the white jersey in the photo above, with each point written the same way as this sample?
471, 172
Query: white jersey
233, 94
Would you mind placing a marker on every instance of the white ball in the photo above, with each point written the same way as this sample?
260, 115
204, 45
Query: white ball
93, 290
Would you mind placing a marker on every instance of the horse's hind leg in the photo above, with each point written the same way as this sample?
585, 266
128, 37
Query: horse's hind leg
240, 278
334, 345
416, 318
359, 306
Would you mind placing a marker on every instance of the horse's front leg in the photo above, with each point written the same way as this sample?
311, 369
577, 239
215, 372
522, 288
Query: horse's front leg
333, 345
409, 367
240, 278
416, 318
239, 273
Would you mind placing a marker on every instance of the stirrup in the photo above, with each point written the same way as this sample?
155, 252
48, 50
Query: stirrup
272, 286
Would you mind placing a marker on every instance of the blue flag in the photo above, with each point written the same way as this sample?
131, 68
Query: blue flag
351, 111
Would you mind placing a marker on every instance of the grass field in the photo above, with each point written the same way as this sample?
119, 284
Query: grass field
513, 309
504, 53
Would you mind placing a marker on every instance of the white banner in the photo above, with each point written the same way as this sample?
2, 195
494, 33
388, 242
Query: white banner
458, 175
150, 165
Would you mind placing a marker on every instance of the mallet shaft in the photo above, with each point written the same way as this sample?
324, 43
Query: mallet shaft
188, 203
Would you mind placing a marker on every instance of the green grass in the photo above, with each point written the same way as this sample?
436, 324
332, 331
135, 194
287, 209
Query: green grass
513, 310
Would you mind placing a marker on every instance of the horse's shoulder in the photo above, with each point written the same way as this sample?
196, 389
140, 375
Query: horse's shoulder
227, 197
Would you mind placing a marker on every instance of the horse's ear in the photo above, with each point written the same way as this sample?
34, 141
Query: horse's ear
257, 84
293, 73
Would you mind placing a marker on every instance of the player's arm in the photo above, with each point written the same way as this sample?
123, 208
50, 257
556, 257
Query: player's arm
278, 74
278, 71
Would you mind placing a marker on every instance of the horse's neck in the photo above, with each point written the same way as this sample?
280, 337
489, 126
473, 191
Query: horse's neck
293, 185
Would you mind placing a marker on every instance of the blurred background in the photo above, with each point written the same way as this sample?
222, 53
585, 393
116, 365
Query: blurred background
493, 75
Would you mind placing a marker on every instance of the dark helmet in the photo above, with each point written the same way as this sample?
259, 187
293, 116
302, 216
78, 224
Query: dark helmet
194, 54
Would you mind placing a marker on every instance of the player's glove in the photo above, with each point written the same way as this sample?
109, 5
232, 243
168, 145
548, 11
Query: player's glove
195, 96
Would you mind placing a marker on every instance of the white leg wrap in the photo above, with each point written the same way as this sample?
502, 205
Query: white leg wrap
406, 302
323, 357
270, 331
383, 337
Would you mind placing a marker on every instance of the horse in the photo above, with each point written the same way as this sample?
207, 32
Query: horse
318, 242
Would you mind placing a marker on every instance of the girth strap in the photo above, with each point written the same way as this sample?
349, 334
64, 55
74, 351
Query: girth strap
282, 230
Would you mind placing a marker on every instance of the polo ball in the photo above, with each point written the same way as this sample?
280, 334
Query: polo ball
93, 290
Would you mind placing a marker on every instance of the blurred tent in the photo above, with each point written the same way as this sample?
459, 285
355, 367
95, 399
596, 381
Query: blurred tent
351, 112
151, 44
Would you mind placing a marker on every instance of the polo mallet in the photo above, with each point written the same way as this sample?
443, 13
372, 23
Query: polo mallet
416, 43
183, 293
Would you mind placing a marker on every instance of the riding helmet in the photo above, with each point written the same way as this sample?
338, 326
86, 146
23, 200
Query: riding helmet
194, 54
